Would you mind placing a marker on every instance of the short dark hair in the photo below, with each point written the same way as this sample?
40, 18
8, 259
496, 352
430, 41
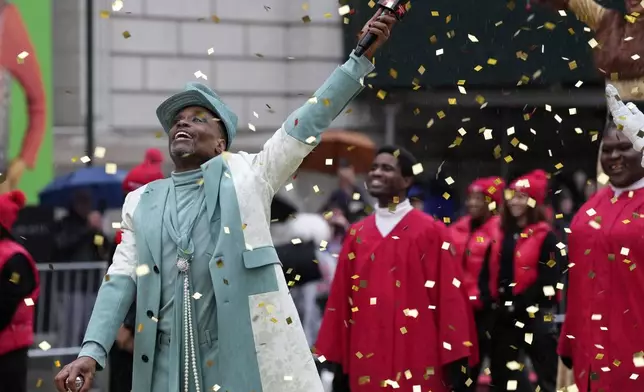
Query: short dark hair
406, 160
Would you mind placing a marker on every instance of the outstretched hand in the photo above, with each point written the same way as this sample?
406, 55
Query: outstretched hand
628, 118
379, 25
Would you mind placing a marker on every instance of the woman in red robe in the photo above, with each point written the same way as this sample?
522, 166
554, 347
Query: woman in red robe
472, 236
396, 316
602, 338
519, 286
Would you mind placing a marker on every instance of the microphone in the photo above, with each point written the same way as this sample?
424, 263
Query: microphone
388, 7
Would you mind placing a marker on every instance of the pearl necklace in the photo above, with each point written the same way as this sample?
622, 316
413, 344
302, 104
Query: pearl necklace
190, 357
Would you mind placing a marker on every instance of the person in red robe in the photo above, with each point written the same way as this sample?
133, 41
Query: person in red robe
472, 236
602, 339
518, 284
396, 316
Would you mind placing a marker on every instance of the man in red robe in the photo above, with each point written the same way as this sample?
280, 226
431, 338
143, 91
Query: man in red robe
14, 46
396, 315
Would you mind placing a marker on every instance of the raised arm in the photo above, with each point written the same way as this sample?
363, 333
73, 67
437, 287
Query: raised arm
587, 11
112, 303
300, 133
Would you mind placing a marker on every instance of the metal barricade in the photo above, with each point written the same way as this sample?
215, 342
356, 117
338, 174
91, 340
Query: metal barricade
67, 295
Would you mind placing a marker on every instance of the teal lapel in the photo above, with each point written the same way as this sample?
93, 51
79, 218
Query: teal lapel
212, 171
152, 204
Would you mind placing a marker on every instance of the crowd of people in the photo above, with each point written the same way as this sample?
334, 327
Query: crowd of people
218, 282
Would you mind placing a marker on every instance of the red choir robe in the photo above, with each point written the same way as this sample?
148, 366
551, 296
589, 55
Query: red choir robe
603, 331
396, 313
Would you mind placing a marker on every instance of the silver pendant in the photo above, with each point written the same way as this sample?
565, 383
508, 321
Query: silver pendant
182, 264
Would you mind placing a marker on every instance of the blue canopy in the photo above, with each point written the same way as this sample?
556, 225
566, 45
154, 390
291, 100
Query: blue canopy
106, 188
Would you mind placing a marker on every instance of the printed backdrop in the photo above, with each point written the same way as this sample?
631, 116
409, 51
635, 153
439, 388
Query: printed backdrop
35, 18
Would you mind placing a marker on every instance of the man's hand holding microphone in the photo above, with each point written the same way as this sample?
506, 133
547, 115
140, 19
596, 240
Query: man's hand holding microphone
78, 375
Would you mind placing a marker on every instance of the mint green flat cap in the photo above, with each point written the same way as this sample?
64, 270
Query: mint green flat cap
197, 94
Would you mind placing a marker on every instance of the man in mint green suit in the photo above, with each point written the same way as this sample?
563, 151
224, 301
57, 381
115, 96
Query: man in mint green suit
213, 308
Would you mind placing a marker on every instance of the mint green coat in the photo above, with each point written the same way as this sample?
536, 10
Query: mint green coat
262, 347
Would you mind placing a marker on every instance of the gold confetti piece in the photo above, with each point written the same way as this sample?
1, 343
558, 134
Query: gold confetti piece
351, 256
381, 94
435, 13
417, 168
403, 330
21, 57
572, 65
99, 152
478, 68
15, 278
421, 70
99, 240
446, 196
451, 101
142, 270
371, 3
393, 73
57, 363
105, 14
491, 61
306, 19
549, 26
200, 75
126, 34
110, 168
441, 114
559, 166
